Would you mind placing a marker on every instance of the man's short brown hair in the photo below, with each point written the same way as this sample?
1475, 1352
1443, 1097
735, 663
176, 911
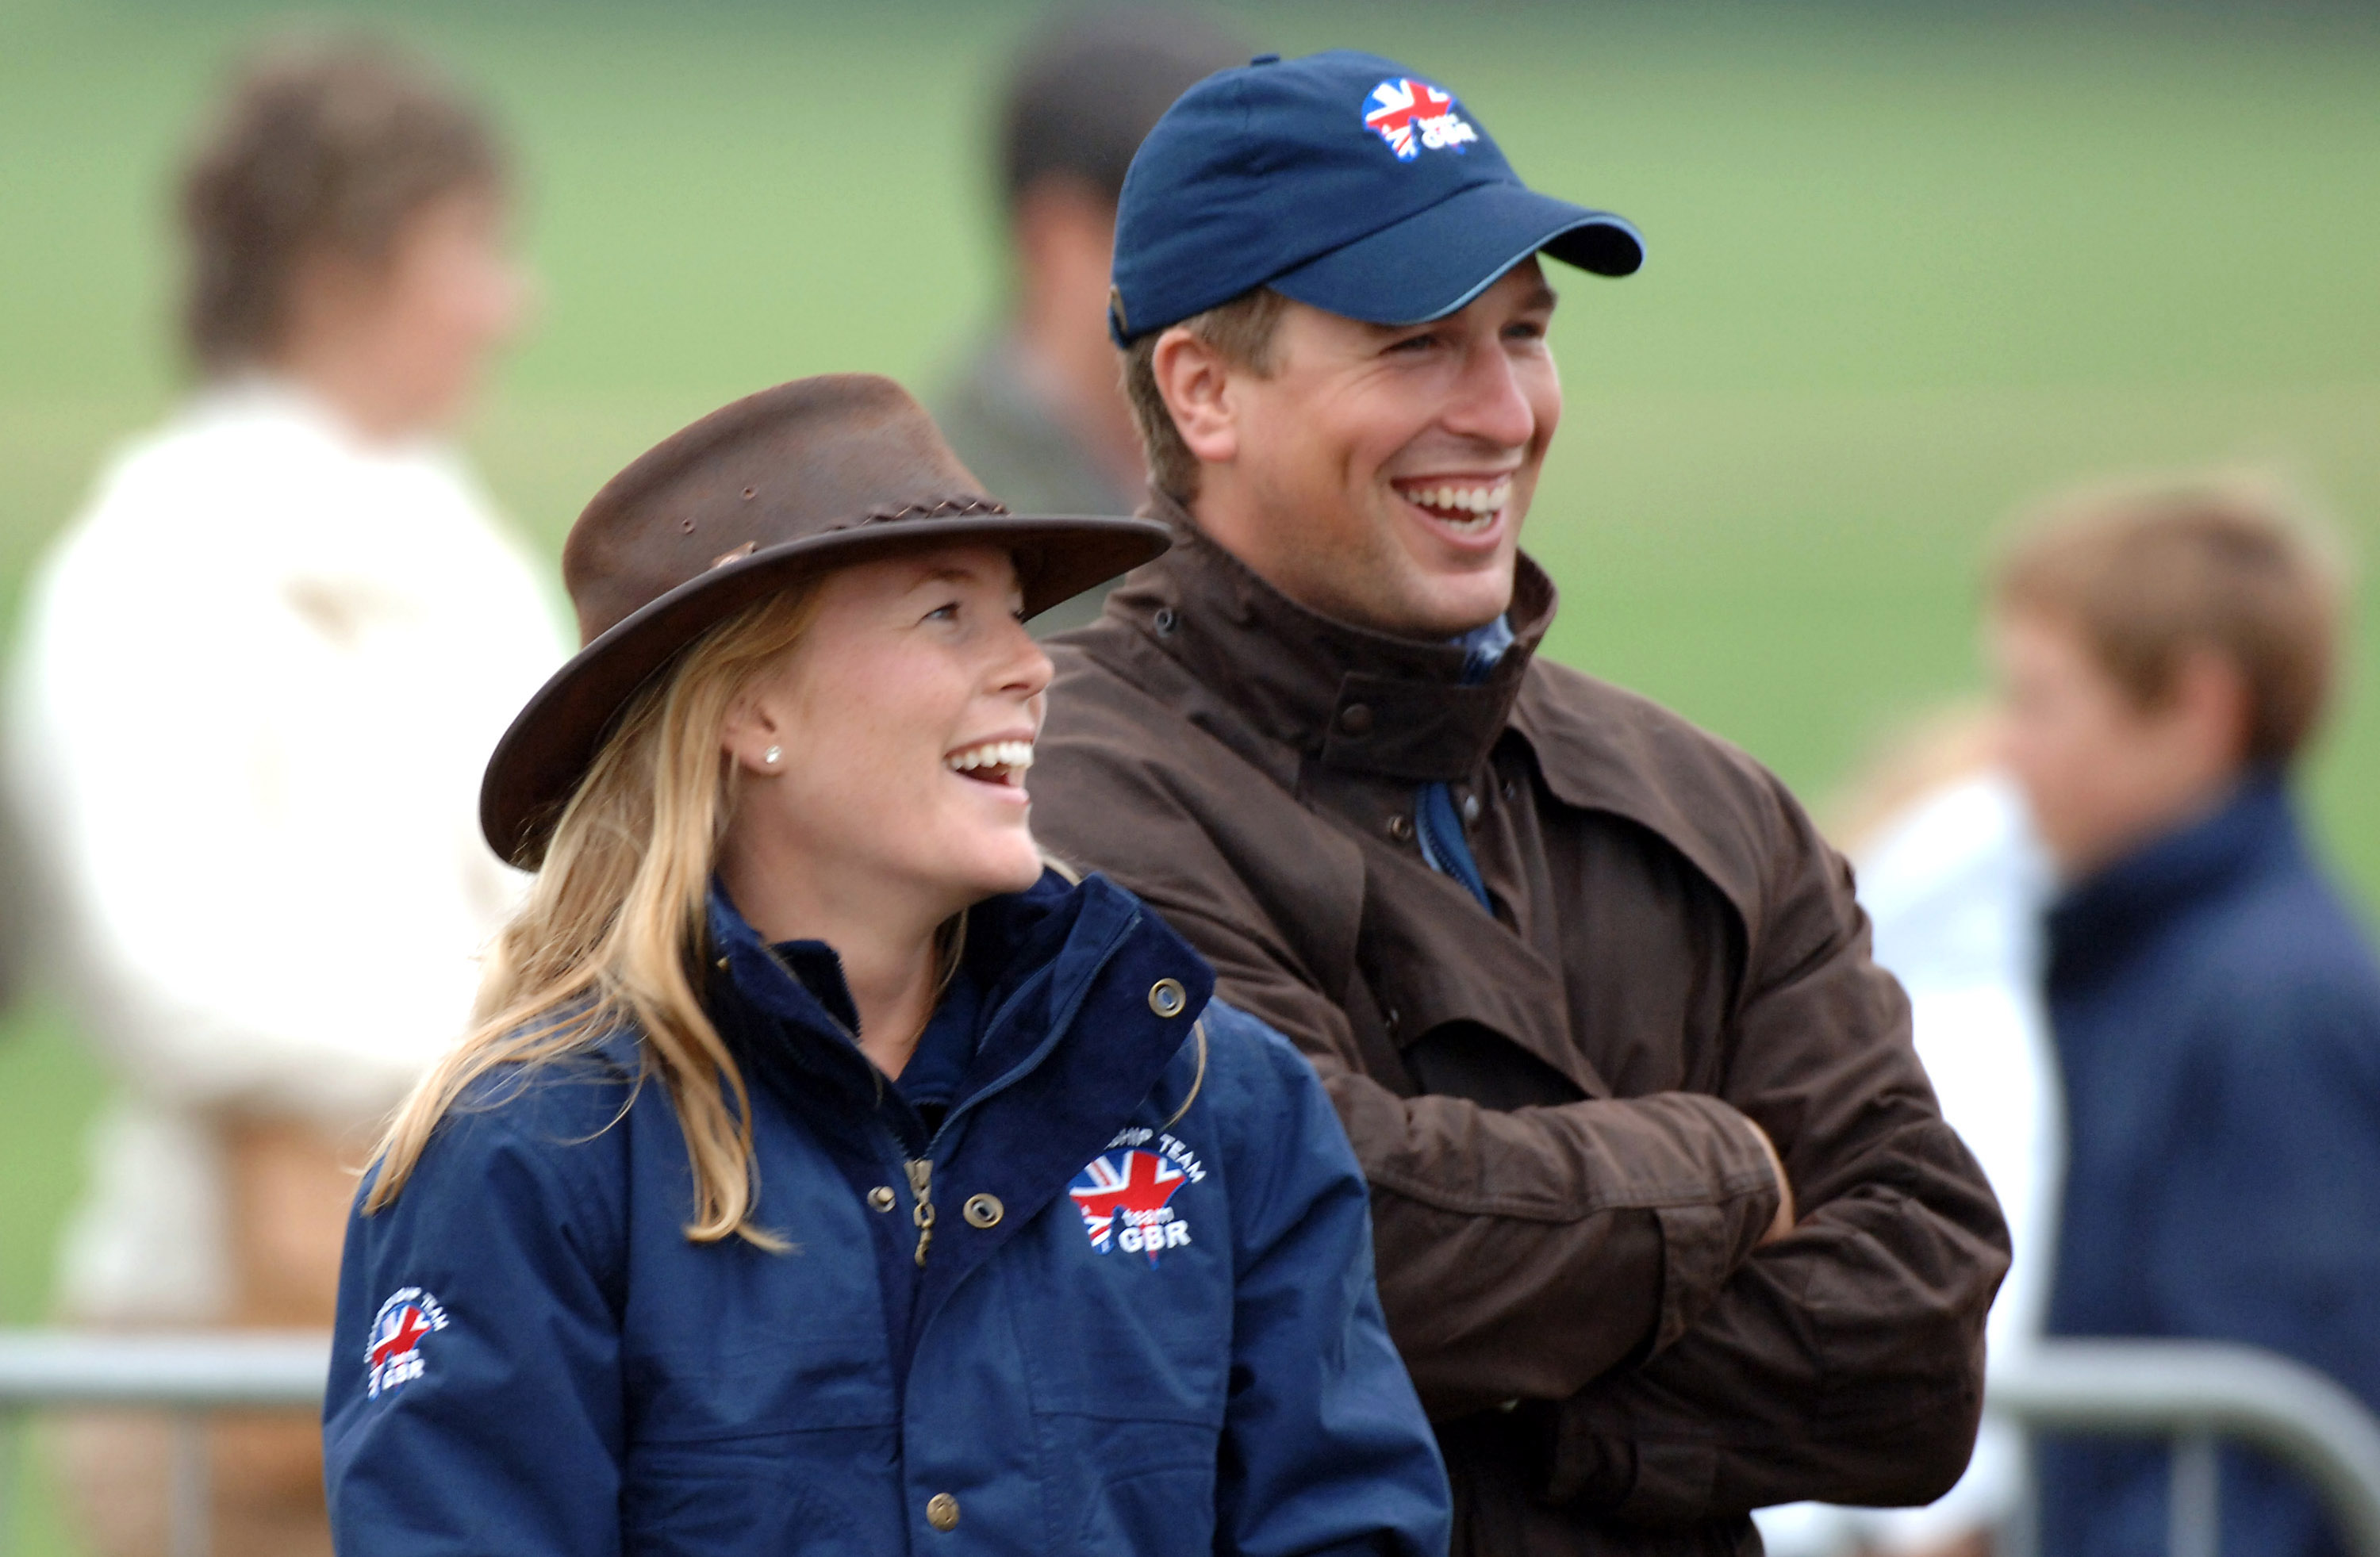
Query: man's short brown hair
2149, 573
320, 147
1241, 332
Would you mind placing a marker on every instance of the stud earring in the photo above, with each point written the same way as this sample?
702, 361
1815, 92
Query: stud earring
772, 754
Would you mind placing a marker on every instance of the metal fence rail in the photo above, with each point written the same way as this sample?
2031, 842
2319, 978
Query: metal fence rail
2195, 1394
189, 1375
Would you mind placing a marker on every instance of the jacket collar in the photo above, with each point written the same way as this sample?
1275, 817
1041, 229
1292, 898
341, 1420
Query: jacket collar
1357, 700
1071, 1042
2104, 912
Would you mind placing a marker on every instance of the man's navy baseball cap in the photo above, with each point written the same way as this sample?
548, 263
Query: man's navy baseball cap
1343, 180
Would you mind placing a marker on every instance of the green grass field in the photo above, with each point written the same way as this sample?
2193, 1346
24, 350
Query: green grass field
1910, 267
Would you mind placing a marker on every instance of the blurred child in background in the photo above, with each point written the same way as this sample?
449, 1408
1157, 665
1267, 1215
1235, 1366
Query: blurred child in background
258, 679
2165, 655
1038, 410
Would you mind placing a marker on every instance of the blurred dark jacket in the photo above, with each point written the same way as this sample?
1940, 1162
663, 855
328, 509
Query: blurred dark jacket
2218, 1015
1003, 426
1550, 1104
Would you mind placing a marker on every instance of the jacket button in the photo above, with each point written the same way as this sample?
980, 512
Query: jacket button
1166, 999
881, 1197
1166, 621
1355, 719
1401, 828
943, 1512
1471, 808
983, 1210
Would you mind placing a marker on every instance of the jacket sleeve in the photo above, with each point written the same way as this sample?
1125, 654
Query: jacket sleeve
1522, 1253
1325, 1446
507, 1436
2278, 1107
1843, 1362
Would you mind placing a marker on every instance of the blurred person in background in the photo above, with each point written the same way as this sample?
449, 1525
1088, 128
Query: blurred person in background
1038, 409
1953, 881
2165, 654
256, 682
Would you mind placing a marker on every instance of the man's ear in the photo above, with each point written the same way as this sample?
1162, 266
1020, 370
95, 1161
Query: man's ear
1196, 382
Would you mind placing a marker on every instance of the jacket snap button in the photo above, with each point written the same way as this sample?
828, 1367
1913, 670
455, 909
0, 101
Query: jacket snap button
1165, 621
1471, 808
881, 1197
943, 1512
983, 1210
1401, 828
1355, 719
1166, 998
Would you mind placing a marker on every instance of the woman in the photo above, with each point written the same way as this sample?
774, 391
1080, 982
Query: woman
827, 1175
327, 626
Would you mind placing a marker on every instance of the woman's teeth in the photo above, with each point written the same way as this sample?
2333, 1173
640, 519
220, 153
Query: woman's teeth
1465, 509
999, 761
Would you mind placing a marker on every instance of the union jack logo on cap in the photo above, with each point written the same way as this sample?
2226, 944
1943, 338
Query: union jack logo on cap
1410, 115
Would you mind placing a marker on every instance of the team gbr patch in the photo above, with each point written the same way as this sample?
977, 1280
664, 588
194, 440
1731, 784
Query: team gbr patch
1126, 1196
1413, 116
393, 1356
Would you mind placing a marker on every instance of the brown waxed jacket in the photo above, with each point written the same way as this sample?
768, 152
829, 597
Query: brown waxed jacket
1550, 1103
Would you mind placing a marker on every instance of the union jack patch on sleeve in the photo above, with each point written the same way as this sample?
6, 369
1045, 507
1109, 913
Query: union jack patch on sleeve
393, 1356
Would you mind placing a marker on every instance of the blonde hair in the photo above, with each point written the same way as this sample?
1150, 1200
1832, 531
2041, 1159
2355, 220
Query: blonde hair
612, 934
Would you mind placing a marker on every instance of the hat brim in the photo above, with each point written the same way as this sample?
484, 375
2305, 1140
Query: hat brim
1438, 259
538, 764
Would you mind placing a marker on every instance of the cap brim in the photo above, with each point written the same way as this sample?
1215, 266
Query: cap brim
1440, 259
538, 764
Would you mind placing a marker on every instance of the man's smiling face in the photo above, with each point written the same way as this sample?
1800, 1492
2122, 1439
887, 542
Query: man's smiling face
1380, 474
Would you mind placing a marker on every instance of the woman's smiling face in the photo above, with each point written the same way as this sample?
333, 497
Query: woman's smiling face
903, 721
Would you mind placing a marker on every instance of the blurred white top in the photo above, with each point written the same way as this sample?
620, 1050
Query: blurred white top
257, 683
1955, 888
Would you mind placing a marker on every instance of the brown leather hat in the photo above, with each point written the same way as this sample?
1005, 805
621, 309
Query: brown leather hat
771, 490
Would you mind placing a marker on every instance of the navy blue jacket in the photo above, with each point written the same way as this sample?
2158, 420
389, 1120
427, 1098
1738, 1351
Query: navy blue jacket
1130, 1332
2217, 1017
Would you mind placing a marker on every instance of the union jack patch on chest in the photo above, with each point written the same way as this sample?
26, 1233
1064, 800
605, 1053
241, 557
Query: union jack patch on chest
1128, 1197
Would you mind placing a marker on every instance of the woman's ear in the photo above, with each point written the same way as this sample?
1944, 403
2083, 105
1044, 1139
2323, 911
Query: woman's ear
1194, 379
755, 734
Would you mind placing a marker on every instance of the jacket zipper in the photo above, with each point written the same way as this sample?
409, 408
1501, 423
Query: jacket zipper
921, 1212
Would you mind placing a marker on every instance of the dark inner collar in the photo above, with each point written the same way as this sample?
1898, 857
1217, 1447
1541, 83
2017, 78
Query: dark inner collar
1357, 698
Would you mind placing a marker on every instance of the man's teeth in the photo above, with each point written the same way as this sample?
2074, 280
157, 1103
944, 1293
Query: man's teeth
1016, 755
1483, 501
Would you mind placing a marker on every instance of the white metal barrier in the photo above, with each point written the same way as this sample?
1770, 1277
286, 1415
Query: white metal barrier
188, 1375
2197, 1394
2193, 1394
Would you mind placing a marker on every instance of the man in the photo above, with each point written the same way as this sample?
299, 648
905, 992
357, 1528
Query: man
1668, 1225
1036, 411
2165, 654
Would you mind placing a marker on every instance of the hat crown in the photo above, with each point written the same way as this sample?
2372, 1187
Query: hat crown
801, 460
1255, 171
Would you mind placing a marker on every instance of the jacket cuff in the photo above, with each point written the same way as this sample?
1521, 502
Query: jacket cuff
1600, 1462
1704, 1243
